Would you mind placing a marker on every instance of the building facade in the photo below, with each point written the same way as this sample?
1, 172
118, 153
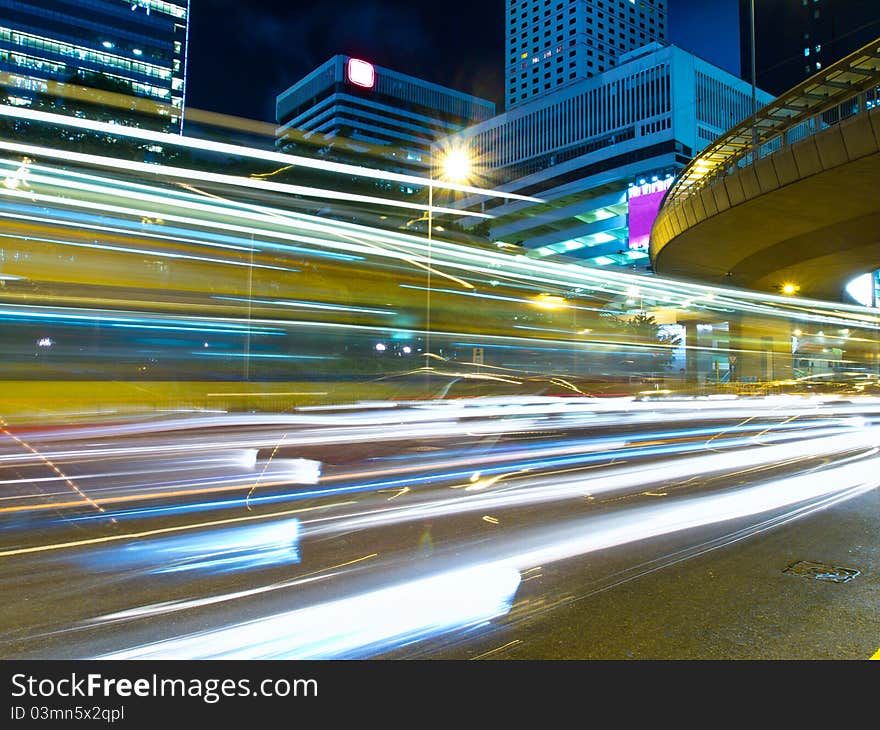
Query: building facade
601, 153
361, 110
795, 38
554, 43
136, 47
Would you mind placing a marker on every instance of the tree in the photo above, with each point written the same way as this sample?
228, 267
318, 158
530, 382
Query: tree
483, 228
649, 349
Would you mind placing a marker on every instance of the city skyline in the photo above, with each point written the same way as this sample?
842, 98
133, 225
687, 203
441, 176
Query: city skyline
552, 45
459, 47
388, 371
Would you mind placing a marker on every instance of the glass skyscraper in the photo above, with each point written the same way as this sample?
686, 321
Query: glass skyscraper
136, 47
373, 111
600, 153
553, 43
794, 39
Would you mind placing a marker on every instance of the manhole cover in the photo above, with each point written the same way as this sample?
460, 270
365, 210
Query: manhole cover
831, 573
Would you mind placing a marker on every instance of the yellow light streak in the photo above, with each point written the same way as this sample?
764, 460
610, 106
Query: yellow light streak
222, 178
148, 496
247, 152
162, 531
4, 428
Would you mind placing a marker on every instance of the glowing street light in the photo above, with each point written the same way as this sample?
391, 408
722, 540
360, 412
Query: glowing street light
18, 178
549, 301
701, 167
790, 289
456, 166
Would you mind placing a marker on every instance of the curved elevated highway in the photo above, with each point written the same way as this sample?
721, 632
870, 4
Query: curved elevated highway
787, 197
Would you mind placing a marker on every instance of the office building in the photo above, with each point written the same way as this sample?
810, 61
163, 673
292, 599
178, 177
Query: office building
795, 38
373, 115
601, 153
136, 47
554, 43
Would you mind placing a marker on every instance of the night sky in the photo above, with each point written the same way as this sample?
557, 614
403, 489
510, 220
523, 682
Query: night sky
244, 52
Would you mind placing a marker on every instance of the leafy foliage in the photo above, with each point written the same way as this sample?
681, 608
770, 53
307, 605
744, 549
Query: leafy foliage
652, 350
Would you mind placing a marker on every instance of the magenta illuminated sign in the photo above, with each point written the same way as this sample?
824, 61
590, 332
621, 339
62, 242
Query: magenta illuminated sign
644, 204
361, 73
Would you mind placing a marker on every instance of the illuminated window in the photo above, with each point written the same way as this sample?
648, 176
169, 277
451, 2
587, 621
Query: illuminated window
108, 60
361, 73
159, 6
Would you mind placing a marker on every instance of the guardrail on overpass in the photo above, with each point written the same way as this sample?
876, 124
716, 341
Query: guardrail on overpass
735, 168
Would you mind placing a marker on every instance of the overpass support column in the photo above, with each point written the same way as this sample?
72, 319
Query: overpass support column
759, 349
691, 353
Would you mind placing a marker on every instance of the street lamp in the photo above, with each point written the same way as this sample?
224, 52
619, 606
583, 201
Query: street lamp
755, 150
454, 166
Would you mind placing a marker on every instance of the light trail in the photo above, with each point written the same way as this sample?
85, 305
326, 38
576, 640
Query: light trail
160, 254
247, 152
217, 551
451, 419
392, 616
231, 180
527, 460
397, 601
541, 490
4, 428
186, 605
87, 542
109, 265
384, 618
524, 269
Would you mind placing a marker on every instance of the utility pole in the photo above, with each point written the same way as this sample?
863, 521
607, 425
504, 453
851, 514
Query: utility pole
754, 84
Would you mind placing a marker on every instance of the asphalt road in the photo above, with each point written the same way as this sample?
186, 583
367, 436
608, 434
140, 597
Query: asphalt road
490, 529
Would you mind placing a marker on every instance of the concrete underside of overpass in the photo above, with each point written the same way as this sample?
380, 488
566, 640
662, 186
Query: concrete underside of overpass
808, 215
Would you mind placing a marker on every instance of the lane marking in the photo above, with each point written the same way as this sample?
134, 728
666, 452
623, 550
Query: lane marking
247, 499
497, 649
4, 428
146, 496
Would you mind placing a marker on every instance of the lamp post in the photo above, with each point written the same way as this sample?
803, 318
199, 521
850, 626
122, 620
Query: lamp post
754, 84
455, 166
428, 287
